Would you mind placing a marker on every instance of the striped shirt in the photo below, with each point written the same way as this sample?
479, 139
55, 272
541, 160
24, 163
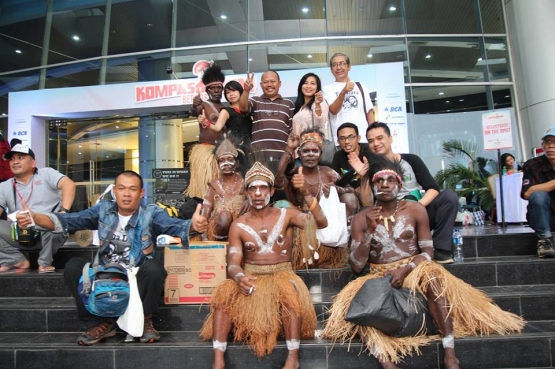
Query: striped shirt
272, 122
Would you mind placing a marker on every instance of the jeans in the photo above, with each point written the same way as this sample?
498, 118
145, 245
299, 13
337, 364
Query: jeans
540, 217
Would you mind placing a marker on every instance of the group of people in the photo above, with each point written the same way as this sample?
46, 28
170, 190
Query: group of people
400, 221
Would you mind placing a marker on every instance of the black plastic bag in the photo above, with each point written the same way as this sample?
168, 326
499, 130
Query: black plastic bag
393, 311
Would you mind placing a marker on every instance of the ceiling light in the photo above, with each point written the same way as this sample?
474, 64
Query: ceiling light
80, 145
80, 153
428, 56
223, 16
117, 126
447, 101
250, 59
149, 24
309, 56
392, 8
442, 93
479, 59
76, 38
18, 51
4, 114
506, 97
369, 55
305, 10
461, 100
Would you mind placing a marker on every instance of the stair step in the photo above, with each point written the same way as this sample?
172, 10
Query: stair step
532, 348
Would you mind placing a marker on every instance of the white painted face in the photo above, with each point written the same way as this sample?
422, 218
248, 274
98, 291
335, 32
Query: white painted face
386, 185
226, 163
258, 194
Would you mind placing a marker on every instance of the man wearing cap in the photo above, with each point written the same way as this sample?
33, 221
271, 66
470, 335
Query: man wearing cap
263, 296
538, 187
40, 190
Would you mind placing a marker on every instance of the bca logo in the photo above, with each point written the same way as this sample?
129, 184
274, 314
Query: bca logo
396, 109
20, 133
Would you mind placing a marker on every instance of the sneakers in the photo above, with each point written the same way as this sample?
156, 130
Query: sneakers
443, 257
98, 333
150, 334
545, 248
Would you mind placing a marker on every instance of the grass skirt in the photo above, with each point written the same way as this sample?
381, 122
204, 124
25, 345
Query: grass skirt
257, 318
204, 169
472, 311
231, 204
327, 257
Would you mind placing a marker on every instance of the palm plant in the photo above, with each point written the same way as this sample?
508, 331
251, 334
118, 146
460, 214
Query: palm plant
463, 174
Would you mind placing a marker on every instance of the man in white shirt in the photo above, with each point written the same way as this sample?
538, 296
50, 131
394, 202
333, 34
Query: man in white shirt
348, 101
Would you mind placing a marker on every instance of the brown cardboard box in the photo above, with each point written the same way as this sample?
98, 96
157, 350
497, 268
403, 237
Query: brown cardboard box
193, 273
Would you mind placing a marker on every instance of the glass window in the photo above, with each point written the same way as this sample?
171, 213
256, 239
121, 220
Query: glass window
446, 60
496, 52
361, 17
449, 99
211, 22
140, 25
502, 97
73, 75
232, 60
76, 33
445, 16
24, 81
21, 35
152, 67
492, 16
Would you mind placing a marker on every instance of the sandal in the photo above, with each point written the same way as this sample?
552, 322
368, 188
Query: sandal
46, 269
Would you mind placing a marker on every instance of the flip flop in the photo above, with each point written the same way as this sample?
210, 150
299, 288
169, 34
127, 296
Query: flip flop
6, 269
46, 269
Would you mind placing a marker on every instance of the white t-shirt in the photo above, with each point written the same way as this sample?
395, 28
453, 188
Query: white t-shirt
352, 110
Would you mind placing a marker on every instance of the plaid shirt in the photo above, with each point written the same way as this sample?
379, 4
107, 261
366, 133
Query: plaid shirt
537, 171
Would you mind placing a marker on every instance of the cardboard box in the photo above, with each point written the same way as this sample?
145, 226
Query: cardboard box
193, 273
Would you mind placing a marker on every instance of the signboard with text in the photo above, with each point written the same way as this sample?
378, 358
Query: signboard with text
169, 184
497, 130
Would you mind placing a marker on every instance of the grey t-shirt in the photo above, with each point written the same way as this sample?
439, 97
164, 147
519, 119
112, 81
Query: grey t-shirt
41, 193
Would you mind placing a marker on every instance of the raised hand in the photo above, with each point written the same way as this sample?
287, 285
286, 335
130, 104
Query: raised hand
293, 141
299, 183
197, 100
198, 222
249, 82
349, 86
318, 97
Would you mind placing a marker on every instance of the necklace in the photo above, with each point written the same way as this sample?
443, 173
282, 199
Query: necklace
319, 179
228, 190
390, 218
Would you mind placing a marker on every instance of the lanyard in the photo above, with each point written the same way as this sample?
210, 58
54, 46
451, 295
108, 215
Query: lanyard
18, 194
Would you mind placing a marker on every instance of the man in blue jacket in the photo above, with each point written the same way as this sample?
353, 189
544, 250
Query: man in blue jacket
127, 231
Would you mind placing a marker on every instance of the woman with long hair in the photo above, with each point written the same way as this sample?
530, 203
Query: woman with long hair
508, 161
311, 110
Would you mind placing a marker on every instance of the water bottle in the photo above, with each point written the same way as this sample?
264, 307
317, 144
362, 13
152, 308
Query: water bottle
458, 255
504, 170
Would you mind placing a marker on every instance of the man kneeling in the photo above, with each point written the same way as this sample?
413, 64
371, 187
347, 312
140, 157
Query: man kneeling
394, 236
266, 296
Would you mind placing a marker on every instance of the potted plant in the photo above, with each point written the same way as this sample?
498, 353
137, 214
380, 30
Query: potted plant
466, 173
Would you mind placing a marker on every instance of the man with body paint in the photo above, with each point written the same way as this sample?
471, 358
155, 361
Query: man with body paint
393, 236
265, 296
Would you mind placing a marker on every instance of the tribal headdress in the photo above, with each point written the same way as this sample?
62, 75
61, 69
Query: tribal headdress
311, 136
213, 75
385, 173
259, 172
226, 147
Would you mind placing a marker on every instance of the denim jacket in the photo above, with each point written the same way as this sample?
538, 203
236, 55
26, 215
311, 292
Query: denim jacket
146, 224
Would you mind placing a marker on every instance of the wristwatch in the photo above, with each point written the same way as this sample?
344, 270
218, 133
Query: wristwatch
63, 210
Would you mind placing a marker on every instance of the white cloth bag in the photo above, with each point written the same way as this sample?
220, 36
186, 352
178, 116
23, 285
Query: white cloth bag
336, 233
133, 320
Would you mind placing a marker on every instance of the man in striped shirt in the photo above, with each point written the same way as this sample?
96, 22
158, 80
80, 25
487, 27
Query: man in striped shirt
272, 118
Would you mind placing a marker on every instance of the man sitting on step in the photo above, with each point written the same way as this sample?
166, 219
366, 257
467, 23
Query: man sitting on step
263, 296
538, 187
118, 223
394, 237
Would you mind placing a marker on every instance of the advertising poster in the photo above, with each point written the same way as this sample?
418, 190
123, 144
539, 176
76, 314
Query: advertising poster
169, 184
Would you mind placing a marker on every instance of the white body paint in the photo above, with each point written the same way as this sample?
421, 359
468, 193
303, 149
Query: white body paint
275, 235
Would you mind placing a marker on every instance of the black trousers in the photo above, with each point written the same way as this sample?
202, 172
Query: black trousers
442, 212
150, 280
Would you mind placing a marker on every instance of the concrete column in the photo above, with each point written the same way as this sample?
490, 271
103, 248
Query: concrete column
531, 31
160, 146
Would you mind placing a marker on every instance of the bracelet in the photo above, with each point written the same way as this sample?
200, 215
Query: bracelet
62, 209
313, 205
